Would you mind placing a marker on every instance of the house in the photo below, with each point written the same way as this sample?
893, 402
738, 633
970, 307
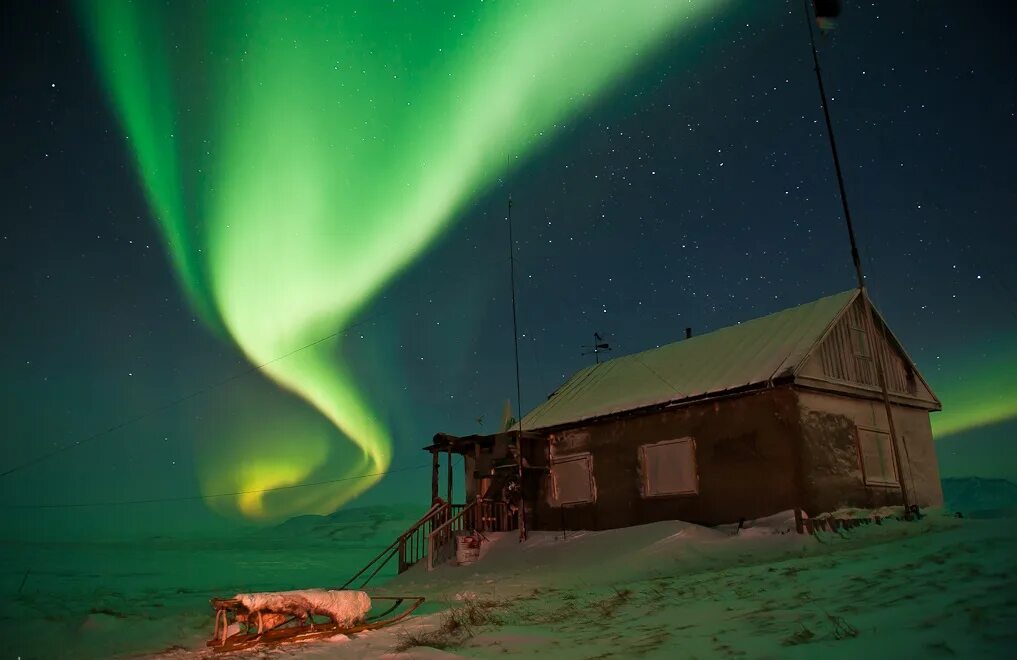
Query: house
780, 412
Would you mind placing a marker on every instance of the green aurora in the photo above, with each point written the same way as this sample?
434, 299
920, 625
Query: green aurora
297, 157
978, 388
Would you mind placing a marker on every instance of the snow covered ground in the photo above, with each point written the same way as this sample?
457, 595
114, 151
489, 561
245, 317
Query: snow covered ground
940, 587
137, 597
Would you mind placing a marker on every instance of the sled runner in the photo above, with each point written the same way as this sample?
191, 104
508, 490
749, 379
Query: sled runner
249, 620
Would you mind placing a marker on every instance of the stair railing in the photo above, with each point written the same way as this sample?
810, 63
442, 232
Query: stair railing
479, 515
441, 540
409, 546
413, 545
493, 516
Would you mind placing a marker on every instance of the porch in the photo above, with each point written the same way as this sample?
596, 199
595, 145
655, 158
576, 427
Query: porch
499, 491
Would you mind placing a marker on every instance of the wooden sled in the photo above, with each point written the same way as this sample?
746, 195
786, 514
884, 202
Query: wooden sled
287, 628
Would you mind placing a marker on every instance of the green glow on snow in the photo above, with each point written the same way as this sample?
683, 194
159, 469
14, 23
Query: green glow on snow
297, 157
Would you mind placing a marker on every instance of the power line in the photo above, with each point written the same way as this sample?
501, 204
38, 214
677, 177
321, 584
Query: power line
830, 10
191, 498
205, 390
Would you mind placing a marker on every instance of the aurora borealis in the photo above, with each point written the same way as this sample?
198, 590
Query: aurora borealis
196, 188
298, 157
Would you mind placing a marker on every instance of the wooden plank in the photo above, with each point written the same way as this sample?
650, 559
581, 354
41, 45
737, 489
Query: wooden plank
434, 477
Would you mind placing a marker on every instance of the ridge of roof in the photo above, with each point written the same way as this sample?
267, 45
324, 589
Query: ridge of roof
733, 357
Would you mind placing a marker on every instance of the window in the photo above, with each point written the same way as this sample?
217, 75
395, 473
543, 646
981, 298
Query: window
860, 342
669, 468
572, 480
911, 383
878, 467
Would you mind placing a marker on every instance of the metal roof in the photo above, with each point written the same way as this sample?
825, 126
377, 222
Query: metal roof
731, 358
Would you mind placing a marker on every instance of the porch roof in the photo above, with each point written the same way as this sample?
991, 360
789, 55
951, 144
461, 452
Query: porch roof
463, 444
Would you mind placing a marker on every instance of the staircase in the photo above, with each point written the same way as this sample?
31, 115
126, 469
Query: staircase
434, 536
480, 515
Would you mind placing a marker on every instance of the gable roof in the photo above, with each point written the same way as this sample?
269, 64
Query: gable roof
732, 358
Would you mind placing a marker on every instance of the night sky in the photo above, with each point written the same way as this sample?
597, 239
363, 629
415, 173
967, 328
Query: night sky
228, 186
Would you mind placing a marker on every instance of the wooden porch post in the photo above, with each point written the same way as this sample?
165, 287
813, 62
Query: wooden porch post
434, 476
476, 467
519, 473
449, 484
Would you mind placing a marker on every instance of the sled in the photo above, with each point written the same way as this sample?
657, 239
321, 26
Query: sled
282, 627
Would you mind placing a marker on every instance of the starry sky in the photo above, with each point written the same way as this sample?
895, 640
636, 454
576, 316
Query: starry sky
680, 177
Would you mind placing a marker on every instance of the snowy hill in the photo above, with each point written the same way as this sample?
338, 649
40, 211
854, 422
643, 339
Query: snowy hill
372, 525
977, 497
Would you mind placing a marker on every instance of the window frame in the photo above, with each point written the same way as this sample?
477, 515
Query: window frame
586, 457
646, 487
866, 347
866, 479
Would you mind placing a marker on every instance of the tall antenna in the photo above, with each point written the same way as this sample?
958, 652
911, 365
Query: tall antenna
515, 319
519, 396
826, 10
598, 345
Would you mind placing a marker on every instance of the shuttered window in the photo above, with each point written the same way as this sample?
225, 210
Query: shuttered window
860, 342
878, 467
572, 480
669, 468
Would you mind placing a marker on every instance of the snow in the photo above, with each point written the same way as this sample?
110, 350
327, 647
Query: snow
103, 599
940, 586
343, 607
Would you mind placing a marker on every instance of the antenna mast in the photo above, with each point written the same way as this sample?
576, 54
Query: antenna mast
833, 8
519, 396
595, 349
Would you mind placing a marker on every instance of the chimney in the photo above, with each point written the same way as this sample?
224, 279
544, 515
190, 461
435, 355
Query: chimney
688, 333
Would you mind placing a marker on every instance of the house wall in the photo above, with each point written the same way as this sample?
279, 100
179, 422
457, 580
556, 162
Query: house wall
746, 456
831, 464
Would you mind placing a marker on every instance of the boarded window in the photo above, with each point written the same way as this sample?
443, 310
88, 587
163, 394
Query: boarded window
878, 467
860, 342
572, 479
669, 468
910, 382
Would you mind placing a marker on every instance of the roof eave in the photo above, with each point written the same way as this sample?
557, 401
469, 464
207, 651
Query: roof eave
822, 337
773, 383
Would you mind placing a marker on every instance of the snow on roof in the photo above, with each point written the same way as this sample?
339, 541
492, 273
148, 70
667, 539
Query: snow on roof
733, 357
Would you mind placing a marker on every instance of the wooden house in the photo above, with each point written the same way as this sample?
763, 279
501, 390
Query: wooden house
780, 412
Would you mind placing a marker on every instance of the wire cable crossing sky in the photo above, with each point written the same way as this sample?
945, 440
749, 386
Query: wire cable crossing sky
297, 158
